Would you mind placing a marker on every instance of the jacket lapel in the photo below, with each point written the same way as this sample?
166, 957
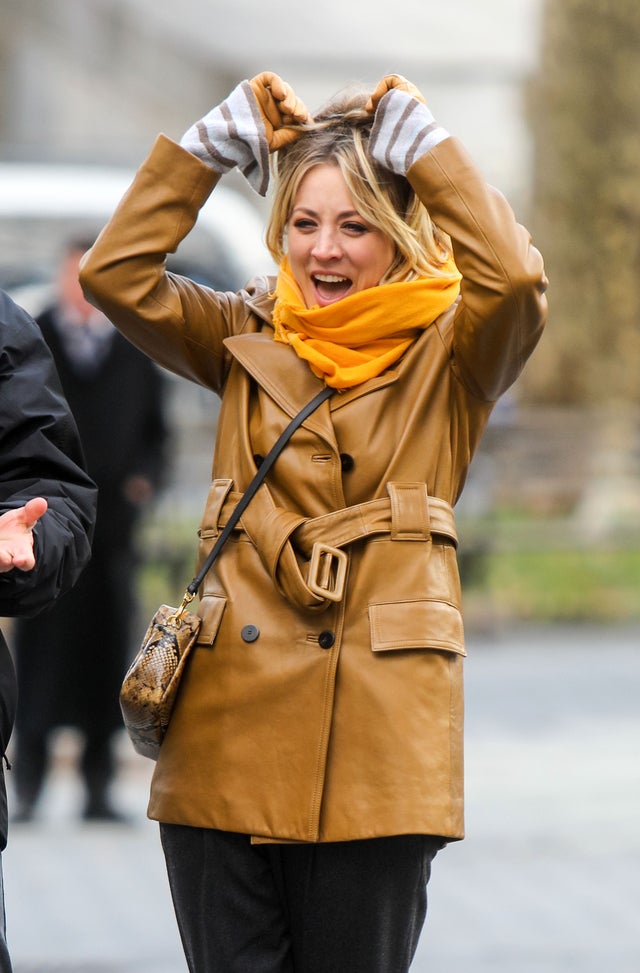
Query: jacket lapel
283, 376
276, 368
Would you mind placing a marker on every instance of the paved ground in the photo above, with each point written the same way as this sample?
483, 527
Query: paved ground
547, 881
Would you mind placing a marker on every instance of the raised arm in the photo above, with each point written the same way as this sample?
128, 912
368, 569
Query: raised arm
179, 323
502, 310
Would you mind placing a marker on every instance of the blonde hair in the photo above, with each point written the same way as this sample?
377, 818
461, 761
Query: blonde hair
339, 135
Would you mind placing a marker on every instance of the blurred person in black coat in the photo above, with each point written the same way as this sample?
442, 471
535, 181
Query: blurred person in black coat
71, 663
47, 505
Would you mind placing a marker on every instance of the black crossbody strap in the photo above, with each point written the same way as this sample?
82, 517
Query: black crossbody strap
252, 489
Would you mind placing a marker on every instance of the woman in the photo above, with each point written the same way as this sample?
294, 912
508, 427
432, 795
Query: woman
313, 766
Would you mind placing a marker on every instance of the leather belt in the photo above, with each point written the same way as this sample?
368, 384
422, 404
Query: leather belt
408, 513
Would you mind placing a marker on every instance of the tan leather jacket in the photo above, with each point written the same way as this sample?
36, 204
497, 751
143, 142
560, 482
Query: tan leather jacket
300, 717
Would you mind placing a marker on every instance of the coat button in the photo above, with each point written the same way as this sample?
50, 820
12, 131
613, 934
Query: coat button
347, 462
326, 639
250, 633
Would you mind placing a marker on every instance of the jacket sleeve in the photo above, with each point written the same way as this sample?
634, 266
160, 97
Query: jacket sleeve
40, 455
502, 310
178, 323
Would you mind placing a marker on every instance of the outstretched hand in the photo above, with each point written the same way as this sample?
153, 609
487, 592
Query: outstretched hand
279, 107
16, 535
387, 83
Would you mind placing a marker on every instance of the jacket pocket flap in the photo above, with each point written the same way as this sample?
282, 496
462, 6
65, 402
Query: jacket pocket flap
416, 625
211, 611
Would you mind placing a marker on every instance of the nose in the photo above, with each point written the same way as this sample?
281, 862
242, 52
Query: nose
326, 245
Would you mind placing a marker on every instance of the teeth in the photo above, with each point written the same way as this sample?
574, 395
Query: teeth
330, 278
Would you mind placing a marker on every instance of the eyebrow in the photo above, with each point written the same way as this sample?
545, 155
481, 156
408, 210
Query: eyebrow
341, 216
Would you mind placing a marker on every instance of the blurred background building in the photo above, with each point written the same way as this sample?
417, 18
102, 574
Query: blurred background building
546, 95
95, 80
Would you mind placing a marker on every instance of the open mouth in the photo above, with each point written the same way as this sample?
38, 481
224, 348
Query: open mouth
331, 287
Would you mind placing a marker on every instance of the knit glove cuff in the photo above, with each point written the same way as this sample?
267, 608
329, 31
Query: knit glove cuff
233, 134
403, 130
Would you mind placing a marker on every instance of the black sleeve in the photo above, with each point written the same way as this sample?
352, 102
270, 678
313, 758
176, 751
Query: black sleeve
40, 455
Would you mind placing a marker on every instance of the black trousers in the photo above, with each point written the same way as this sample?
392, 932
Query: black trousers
32, 763
337, 907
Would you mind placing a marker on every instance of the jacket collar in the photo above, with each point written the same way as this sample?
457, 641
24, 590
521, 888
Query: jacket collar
261, 297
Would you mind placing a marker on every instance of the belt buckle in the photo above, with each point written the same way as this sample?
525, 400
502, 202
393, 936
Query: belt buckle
327, 571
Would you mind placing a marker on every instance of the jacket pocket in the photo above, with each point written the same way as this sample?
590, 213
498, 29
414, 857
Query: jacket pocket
418, 624
210, 610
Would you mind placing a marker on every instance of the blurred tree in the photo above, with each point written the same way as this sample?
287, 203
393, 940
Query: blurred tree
585, 113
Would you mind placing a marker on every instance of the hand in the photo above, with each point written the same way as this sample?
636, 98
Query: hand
403, 127
387, 83
236, 134
16, 535
279, 106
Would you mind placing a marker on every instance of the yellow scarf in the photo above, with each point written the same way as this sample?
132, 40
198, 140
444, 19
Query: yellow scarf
361, 335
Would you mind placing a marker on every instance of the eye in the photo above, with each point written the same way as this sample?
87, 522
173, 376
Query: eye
356, 228
304, 223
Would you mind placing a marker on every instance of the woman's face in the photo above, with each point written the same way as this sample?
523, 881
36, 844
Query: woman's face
332, 250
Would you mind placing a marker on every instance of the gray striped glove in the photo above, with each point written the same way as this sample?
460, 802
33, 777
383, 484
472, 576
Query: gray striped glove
249, 124
403, 127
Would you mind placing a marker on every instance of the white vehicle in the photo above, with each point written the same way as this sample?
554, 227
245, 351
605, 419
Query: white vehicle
44, 205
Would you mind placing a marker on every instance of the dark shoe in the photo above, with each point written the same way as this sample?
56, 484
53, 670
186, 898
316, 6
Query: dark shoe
103, 811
